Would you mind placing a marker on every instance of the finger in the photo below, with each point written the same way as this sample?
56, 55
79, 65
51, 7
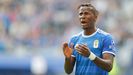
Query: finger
83, 47
67, 49
86, 47
76, 46
65, 45
79, 50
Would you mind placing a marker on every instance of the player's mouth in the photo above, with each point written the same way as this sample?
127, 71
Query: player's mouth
83, 22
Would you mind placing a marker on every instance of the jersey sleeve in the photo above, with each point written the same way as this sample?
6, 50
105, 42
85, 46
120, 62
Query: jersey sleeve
109, 45
72, 44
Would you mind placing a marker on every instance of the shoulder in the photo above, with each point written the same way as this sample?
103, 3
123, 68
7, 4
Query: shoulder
104, 34
74, 38
77, 35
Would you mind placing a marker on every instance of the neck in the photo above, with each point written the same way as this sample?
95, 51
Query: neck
89, 31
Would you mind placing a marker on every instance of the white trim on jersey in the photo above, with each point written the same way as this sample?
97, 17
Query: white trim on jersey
86, 36
108, 52
72, 56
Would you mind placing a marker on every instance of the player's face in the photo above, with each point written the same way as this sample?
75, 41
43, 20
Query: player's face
87, 18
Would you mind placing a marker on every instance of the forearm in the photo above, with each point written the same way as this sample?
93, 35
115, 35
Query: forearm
68, 65
105, 64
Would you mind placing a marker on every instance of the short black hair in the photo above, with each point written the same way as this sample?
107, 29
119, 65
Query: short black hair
90, 6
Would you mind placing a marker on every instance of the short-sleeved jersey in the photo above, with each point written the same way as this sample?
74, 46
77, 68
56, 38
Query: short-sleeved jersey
99, 43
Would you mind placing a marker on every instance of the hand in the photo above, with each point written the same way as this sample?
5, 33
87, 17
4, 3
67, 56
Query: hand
67, 50
83, 50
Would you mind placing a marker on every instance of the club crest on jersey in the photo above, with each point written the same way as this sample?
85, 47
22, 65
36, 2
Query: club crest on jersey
95, 44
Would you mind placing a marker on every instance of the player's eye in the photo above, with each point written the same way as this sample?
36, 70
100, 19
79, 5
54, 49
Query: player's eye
86, 13
80, 13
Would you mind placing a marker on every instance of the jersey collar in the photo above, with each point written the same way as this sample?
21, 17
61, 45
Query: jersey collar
86, 36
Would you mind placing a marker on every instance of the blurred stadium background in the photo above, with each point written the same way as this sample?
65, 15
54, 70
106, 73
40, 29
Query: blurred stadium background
32, 33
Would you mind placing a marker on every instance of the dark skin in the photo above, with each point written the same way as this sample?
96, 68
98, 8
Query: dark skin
87, 19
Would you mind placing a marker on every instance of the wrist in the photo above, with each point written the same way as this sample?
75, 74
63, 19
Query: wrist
92, 56
67, 58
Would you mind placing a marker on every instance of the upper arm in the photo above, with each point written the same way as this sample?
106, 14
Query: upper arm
109, 57
109, 49
109, 45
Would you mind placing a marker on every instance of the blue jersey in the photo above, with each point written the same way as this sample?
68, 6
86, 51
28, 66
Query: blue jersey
99, 43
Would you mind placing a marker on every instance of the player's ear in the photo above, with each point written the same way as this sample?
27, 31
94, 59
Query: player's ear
95, 17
